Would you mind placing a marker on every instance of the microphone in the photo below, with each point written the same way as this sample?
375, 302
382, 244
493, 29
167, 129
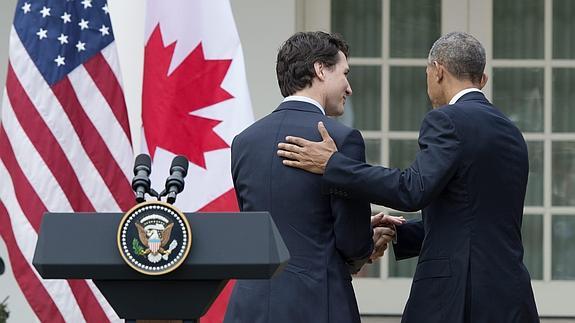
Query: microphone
175, 182
141, 180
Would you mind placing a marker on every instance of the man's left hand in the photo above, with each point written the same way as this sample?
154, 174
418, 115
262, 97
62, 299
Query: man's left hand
383, 232
308, 155
381, 237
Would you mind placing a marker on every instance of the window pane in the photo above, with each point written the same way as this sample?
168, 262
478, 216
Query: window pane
563, 29
563, 100
532, 234
373, 151
518, 92
518, 29
563, 171
415, 25
402, 153
408, 101
563, 262
364, 109
406, 267
534, 196
359, 22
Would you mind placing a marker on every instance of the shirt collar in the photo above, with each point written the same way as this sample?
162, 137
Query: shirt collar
305, 99
462, 93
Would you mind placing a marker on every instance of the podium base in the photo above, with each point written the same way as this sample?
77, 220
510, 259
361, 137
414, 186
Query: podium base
140, 299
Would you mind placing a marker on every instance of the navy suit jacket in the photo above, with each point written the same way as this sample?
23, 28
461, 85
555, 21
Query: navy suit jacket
469, 178
328, 236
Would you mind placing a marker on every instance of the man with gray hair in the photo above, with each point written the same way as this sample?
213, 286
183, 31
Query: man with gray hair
469, 179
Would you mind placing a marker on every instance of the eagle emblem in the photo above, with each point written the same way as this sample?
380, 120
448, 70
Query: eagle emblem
154, 232
154, 238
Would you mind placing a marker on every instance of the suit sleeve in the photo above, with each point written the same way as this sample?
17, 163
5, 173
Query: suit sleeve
352, 225
409, 240
407, 190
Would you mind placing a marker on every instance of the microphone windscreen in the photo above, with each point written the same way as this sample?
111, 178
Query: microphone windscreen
180, 161
143, 160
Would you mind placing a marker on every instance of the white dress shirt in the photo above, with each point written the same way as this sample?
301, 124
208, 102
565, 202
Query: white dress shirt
462, 93
305, 99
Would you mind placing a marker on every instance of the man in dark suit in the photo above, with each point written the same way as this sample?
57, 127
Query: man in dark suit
328, 236
469, 178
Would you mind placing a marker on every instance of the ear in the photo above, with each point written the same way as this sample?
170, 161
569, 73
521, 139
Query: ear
483, 81
319, 70
439, 72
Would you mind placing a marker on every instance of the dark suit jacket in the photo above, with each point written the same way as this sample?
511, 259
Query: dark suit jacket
327, 236
469, 177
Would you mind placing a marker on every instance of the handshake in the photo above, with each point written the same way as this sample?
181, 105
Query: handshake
383, 232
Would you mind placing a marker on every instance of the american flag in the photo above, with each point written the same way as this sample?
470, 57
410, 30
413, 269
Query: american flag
64, 141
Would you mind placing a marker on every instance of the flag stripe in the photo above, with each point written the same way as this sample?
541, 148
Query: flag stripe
112, 316
45, 143
94, 145
109, 86
33, 206
26, 239
33, 209
100, 114
110, 55
31, 163
33, 290
91, 309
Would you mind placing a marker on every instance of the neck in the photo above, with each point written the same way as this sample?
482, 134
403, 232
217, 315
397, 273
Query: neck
312, 94
456, 87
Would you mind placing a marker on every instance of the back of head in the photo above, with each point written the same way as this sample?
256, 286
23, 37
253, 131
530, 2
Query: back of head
461, 54
296, 57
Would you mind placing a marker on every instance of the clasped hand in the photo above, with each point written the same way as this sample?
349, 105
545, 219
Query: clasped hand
383, 232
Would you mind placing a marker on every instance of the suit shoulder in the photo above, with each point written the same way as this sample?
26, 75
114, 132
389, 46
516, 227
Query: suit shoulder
255, 127
337, 127
348, 140
449, 110
445, 114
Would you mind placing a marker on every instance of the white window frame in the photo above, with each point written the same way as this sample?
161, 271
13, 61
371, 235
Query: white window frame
385, 295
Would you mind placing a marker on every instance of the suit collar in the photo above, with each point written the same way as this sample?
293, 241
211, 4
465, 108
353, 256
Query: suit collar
305, 99
461, 93
472, 96
298, 106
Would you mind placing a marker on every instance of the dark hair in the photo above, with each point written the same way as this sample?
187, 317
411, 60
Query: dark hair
462, 55
297, 56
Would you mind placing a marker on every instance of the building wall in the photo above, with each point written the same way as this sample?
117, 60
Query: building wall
259, 42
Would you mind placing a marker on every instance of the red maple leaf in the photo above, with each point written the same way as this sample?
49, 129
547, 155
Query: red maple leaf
169, 99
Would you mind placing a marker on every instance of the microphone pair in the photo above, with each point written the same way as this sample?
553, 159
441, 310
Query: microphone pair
141, 183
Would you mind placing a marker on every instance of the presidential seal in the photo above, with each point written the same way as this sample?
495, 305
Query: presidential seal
154, 238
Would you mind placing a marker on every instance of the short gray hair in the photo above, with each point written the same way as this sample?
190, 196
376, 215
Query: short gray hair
461, 54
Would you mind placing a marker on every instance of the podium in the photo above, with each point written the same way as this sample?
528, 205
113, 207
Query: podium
224, 246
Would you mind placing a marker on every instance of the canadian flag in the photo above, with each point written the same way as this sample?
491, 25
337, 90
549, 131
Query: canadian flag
195, 100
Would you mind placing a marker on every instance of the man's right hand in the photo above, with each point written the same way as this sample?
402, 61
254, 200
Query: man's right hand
383, 232
384, 220
308, 155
